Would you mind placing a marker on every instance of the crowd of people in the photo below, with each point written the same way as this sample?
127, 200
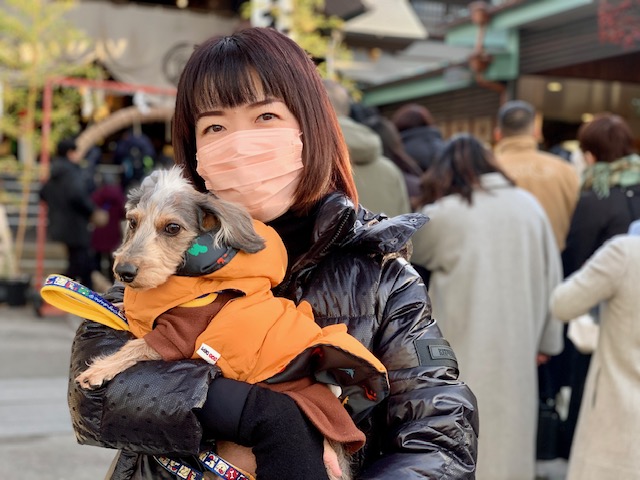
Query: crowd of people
517, 240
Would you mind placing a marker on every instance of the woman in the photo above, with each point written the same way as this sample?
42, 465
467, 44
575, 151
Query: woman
609, 202
609, 420
253, 102
490, 243
610, 197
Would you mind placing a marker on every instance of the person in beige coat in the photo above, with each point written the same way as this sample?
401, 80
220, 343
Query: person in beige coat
605, 446
494, 263
550, 179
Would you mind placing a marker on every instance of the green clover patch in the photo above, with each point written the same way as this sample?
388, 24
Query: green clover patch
196, 249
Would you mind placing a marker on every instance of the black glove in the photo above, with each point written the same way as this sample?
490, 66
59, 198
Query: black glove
220, 415
285, 443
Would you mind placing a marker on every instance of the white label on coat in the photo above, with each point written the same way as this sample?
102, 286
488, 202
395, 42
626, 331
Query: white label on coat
208, 353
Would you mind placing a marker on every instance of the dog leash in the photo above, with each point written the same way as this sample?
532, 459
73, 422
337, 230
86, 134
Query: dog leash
73, 297
212, 462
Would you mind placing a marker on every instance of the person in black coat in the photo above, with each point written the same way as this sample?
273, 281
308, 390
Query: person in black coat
421, 137
609, 202
69, 210
259, 87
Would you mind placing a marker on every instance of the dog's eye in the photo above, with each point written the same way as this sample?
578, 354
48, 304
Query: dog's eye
172, 228
133, 223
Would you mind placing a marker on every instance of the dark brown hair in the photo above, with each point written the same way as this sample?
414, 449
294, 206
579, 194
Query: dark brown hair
392, 146
412, 115
458, 169
223, 72
607, 137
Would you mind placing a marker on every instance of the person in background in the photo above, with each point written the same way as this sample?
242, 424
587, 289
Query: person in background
135, 152
494, 263
8, 267
608, 426
555, 184
547, 177
257, 88
110, 197
70, 210
393, 149
421, 137
380, 184
609, 202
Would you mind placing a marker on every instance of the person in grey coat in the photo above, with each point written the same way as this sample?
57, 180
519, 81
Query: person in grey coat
494, 263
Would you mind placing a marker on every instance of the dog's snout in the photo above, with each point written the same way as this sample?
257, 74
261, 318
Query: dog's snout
126, 272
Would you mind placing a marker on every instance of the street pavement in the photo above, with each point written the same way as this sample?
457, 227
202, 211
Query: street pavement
36, 438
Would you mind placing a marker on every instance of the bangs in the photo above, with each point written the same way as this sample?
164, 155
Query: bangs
230, 77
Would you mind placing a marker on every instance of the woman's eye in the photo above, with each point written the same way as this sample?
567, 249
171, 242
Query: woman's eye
172, 228
268, 116
214, 129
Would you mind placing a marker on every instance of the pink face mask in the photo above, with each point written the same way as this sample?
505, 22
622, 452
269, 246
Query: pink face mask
259, 169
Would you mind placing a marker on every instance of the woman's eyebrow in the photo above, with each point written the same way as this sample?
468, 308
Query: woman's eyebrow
209, 113
259, 103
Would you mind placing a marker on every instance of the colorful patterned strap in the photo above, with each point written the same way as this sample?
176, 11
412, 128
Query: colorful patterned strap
73, 297
210, 461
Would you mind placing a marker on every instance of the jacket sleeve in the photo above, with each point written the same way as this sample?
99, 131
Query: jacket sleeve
551, 338
597, 281
432, 418
149, 408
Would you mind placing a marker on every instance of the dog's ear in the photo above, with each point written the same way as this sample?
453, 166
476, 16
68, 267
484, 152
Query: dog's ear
235, 227
148, 184
133, 198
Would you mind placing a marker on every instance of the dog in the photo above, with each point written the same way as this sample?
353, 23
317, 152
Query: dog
167, 217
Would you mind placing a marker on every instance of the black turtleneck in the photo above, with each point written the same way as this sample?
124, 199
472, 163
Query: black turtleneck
296, 232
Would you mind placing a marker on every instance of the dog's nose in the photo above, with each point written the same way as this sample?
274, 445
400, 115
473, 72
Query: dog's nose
126, 272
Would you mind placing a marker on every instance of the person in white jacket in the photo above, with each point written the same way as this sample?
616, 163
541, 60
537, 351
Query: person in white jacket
608, 430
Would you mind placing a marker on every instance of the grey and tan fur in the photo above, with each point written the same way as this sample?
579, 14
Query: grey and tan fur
164, 216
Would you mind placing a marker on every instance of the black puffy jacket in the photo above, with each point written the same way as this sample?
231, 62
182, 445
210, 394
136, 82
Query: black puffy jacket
424, 144
355, 274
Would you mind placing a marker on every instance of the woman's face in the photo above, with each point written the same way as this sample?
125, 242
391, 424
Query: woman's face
267, 113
